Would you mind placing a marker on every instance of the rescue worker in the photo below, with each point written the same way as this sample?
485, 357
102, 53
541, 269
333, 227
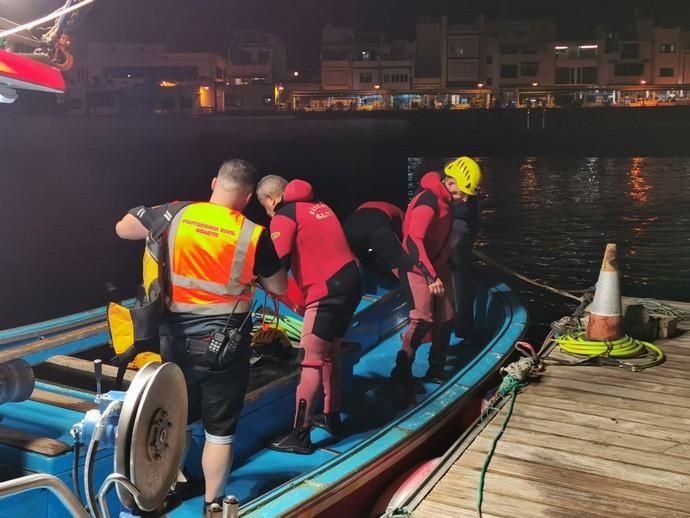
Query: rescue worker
374, 231
215, 256
426, 239
467, 179
310, 240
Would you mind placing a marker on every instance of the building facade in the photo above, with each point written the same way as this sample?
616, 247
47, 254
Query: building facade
257, 69
459, 63
138, 78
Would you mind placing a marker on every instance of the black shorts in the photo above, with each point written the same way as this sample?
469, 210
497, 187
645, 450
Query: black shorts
330, 317
214, 396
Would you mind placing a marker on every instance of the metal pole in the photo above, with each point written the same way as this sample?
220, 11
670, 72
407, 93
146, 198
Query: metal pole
231, 507
44, 481
114, 478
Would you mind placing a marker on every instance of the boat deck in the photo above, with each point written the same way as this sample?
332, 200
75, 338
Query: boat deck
584, 441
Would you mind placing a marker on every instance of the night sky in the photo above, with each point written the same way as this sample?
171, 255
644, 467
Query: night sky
206, 24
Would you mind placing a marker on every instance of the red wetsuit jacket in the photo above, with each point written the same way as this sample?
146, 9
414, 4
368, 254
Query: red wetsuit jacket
427, 227
307, 233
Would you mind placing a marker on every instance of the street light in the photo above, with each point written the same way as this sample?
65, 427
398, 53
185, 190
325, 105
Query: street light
480, 85
535, 84
643, 82
295, 73
377, 87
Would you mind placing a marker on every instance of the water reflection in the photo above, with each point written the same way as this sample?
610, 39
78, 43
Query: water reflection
529, 184
639, 186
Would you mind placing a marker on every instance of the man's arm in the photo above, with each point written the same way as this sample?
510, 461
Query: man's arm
267, 267
137, 223
130, 227
275, 284
283, 234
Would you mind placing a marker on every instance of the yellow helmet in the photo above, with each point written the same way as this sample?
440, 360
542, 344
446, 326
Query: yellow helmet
466, 173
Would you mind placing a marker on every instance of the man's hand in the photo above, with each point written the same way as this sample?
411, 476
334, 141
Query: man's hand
436, 288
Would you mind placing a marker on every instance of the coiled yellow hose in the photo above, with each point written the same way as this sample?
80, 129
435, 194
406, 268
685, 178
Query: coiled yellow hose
625, 347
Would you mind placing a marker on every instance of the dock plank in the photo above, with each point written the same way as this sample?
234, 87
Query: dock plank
632, 381
593, 445
590, 421
597, 435
596, 502
594, 386
461, 496
659, 497
656, 375
611, 412
593, 464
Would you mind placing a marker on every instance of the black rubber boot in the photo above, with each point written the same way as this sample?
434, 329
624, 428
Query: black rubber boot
436, 374
402, 373
299, 439
329, 422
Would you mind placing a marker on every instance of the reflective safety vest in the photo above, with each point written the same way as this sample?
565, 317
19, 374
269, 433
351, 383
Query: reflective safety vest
211, 255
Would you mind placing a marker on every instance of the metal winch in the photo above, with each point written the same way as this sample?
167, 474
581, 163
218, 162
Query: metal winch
146, 426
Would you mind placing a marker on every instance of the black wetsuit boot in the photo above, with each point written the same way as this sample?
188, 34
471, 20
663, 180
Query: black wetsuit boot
329, 422
402, 373
299, 439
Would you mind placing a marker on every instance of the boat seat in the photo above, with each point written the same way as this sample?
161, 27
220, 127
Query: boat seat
62, 401
270, 375
81, 365
33, 443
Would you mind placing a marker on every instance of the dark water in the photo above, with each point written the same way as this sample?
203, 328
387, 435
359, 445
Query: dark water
550, 219
64, 183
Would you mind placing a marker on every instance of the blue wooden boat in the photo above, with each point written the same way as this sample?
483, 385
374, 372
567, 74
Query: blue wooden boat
384, 432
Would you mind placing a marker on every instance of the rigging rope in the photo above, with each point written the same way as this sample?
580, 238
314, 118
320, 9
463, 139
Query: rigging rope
52, 16
563, 293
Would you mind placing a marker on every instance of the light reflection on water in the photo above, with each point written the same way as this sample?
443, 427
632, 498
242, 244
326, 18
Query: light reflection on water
550, 219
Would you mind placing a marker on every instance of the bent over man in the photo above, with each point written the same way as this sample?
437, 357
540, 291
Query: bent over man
215, 255
309, 238
374, 232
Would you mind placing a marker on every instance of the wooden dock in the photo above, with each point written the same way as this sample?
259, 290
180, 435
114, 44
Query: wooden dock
584, 442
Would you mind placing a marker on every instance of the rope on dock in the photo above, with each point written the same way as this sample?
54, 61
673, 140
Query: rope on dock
517, 375
654, 307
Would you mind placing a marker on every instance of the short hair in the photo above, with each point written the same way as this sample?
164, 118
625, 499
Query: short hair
237, 173
270, 184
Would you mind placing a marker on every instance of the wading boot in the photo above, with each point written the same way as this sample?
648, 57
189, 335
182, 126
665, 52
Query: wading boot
402, 374
299, 439
329, 422
436, 374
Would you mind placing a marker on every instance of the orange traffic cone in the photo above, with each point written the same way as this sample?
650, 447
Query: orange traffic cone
606, 315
